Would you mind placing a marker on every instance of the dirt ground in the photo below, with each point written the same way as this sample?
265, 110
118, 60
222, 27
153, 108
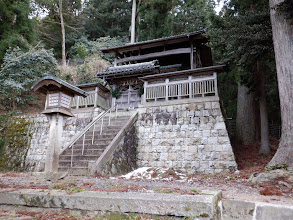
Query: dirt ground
233, 186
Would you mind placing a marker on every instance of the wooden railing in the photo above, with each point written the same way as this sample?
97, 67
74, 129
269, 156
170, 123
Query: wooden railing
90, 100
190, 88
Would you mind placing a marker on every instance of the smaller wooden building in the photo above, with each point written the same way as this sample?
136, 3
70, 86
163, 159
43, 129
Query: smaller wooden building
163, 62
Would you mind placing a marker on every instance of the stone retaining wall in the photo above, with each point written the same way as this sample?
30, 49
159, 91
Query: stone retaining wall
36, 156
189, 135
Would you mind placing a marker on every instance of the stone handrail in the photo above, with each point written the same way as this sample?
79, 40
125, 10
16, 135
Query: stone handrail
96, 166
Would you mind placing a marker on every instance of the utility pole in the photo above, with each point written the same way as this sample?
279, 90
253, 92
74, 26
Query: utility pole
132, 40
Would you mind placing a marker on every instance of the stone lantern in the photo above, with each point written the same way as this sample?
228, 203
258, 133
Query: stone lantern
58, 101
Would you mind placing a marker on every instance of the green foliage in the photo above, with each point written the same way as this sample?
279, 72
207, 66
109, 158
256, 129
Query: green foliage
160, 18
103, 18
16, 28
116, 93
86, 47
20, 70
242, 36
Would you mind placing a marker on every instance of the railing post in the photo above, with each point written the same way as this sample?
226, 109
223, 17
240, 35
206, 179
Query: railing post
102, 126
216, 83
93, 137
77, 102
167, 81
190, 86
96, 96
116, 106
83, 144
71, 162
110, 116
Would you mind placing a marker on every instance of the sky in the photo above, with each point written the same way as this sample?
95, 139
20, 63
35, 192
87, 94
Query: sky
219, 7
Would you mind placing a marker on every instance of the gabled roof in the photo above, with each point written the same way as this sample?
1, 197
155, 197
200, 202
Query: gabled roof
156, 42
130, 69
46, 81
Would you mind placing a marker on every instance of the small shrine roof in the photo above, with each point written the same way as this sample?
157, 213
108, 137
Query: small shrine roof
130, 69
93, 84
43, 84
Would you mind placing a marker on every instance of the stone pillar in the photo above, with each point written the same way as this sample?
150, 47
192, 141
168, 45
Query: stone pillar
53, 150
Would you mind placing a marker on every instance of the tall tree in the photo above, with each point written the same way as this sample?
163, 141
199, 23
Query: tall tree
102, 18
281, 18
61, 16
243, 35
16, 28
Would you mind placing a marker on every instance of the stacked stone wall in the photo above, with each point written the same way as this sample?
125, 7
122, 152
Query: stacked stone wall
190, 136
40, 125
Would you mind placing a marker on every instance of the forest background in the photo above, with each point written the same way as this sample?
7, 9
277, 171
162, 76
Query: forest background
65, 38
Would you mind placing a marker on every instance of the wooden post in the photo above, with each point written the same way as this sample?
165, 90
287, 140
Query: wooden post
96, 96
190, 86
216, 83
113, 98
144, 91
128, 96
191, 55
167, 81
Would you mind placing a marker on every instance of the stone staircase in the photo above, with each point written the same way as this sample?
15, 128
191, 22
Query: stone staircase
91, 151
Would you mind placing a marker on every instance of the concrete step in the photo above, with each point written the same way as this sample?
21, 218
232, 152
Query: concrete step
121, 202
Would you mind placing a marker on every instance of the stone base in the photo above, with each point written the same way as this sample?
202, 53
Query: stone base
191, 136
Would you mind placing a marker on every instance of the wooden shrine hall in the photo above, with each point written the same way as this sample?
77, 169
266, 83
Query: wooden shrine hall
163, 69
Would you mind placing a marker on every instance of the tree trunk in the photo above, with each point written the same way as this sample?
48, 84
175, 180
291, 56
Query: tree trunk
246, 116
283, 45
265, 141
63, 33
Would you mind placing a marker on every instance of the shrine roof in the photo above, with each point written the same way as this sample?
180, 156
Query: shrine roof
42, 85
93, 84
130, 69
197, 35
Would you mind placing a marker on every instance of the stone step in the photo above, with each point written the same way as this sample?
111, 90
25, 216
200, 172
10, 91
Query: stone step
97, 141
98, 136
79, 157
73, 170
87, 151
75, 163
